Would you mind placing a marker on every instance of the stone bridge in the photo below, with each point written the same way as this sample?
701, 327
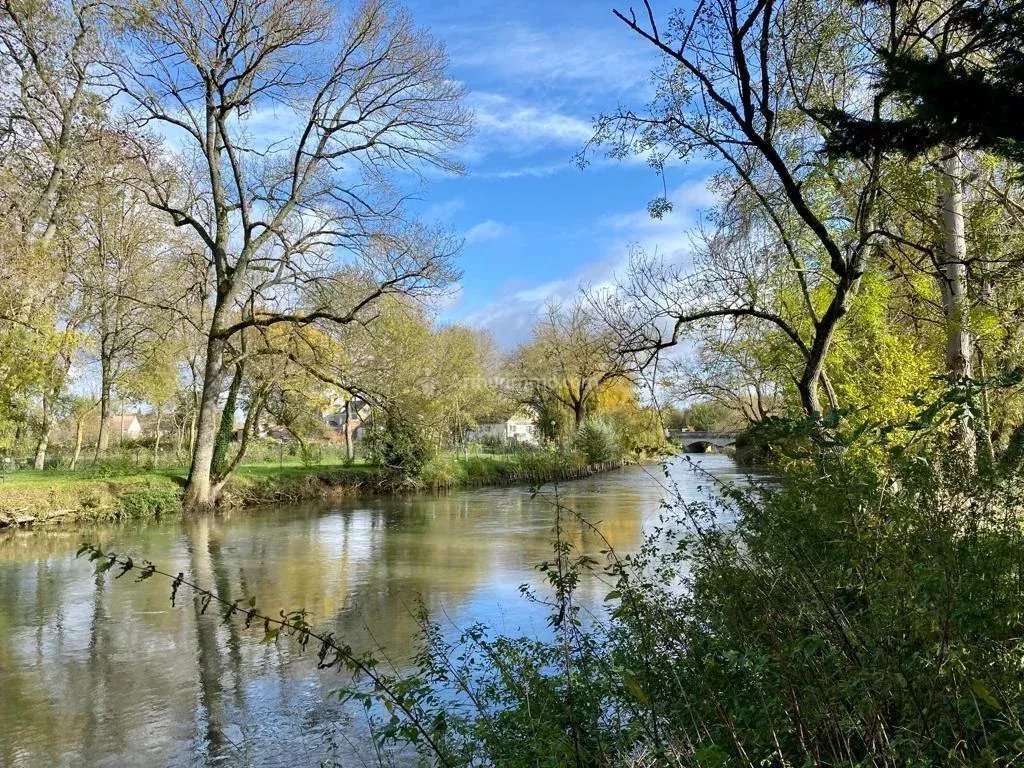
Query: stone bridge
700, 442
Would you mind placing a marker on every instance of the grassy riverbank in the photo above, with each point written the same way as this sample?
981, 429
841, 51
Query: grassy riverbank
51, 497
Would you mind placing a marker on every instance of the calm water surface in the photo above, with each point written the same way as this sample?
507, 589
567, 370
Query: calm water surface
97, 672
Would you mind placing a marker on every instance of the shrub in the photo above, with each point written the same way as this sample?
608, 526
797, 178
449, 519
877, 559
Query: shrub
597, 440
846, 616
399, 444
442, 471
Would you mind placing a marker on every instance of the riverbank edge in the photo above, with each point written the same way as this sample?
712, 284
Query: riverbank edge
116, 499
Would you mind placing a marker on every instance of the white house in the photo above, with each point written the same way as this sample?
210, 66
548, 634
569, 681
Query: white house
518, 427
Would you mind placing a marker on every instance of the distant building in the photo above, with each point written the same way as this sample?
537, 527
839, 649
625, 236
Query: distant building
516, 427
125, 426
359, 414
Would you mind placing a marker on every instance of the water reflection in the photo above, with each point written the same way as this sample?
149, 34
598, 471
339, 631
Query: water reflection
98, 672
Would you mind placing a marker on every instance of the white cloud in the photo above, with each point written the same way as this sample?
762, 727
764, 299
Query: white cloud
687, 200
486, 230
524, 125
595, 61
443, 211
511, 317
528, 171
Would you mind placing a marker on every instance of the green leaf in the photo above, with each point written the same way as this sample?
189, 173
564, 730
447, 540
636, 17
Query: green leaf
636, 690
982, 692
711, 756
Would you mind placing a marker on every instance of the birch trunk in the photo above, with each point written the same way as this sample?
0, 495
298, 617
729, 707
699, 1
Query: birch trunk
349, 452
156, 438
44, 437
103, 437
952, 277
79, 434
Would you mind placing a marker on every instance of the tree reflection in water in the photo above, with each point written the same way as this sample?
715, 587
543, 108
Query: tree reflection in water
94, 671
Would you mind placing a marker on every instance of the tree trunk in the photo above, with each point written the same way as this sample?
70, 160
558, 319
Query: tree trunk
41, 446
226, 426
179, 438
79, 434
198, 490
349, 452
103, 436
578, 413
44, 436
156, 437
807, 386
952, 277
814, 374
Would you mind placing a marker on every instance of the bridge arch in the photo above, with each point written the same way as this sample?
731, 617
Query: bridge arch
701, 442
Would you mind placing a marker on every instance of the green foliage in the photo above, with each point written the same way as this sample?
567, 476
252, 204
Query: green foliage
956, 97
877, 365
705, 416
443, 471
400, 444
536, 467
792, 625
554, 420
598, 441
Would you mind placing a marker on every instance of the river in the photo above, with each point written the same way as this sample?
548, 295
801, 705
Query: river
102, 672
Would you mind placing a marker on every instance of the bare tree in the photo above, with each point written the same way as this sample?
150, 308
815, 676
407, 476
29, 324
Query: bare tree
129, 269
289, 121
744, 82
49, 54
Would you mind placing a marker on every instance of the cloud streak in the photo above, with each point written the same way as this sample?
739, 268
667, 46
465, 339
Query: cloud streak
510, 318
485, 231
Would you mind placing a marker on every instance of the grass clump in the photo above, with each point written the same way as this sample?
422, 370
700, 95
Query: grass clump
445, 471
149, 502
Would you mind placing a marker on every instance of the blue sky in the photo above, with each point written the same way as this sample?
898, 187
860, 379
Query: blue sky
536, 227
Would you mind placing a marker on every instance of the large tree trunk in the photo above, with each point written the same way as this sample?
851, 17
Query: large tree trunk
952, 277
814, 368
814, 374
198, 490
226, 426
578, 412
103, 437
41, 446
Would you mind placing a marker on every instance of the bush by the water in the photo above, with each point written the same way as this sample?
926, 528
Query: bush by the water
597, 440
396, 442
449, 470
848, 616
149, 502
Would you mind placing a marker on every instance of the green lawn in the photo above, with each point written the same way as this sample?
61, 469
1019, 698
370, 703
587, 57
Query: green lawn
102, 493
58, 477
